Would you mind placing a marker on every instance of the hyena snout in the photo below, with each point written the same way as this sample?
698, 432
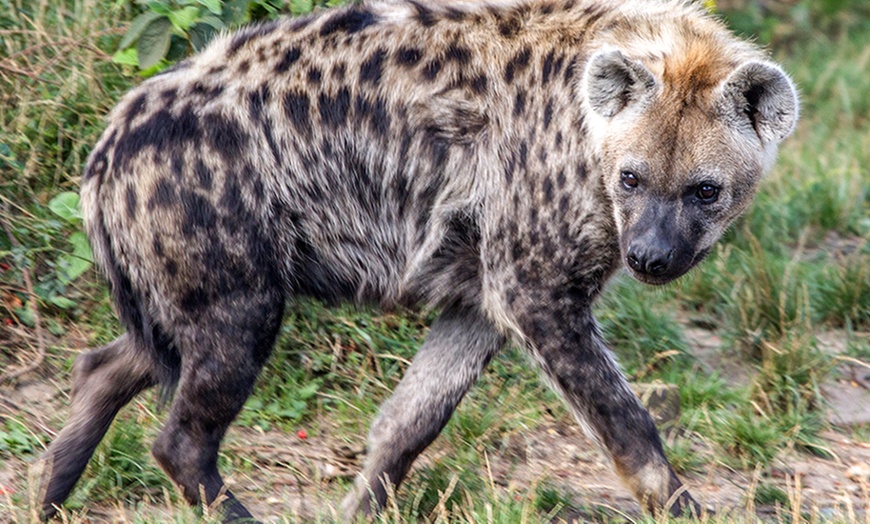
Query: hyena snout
650, 257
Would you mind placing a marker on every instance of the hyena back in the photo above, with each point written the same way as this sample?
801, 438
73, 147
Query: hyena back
497, 160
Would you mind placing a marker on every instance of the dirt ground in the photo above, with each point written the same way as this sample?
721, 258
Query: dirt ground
291, 476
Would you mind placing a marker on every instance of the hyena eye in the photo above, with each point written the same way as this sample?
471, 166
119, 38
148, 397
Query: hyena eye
707, 193
629, 180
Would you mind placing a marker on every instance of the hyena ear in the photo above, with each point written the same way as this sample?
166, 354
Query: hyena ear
612, 82
760, 95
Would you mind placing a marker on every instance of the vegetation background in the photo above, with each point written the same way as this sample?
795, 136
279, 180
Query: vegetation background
754, 340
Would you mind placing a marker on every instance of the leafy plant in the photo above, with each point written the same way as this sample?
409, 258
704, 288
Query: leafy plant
169, 30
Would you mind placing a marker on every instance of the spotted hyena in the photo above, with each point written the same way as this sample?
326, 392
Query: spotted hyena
497, 160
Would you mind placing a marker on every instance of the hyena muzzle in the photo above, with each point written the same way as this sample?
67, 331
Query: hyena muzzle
495, 160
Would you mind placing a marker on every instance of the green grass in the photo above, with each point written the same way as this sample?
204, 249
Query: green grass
796, 265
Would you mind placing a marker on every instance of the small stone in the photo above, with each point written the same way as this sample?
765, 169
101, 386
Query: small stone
858, 473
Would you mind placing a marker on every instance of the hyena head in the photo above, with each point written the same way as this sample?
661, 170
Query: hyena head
682, 150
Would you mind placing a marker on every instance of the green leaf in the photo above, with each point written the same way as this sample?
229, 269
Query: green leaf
73, 265
136, 27
126, 57
211, 20
200, 35
81, 247
183, 19
159, 8
66, 206
236, 12
212, 5
25, 316
301, 7
62, 302
154, 42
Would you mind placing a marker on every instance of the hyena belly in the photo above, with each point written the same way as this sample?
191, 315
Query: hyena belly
496, 160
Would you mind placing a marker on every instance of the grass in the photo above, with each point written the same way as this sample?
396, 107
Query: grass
797, 265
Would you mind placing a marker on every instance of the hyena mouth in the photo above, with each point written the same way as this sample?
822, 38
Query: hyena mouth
677, 267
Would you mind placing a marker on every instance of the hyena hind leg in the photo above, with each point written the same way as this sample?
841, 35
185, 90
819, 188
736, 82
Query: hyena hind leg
222, 354
104, 380
460, 344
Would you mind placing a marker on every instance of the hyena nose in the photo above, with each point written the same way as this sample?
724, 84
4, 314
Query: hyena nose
652, 261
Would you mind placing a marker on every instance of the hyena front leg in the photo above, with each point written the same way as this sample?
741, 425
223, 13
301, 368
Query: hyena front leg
576, 360
104, 380
460, 344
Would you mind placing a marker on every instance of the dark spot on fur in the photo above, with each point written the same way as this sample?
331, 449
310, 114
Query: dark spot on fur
563, 204
372, 69
334, 110
454, 14
301, 22
547, 69
314, 76
569, 71
542, 155
560, 179
256, 100
135, 108
291, 56
297, 107
339, 72
478, 84
171, 267
177, 166
195, 300
509, 27
162, 130
224, 136
198, 212
164, 194
157, 245
244, 66
97, 164
233, 208
524, 154
350, 21
216, 69
131, 202
517, 64
424, 15
375, 112
246, 35
203, 175
167, 96
431, 69
457, 53
408, 56
205, 91
520, 103
581, 171
558, 139
517, 251
547, 8
548, 114
547, 187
